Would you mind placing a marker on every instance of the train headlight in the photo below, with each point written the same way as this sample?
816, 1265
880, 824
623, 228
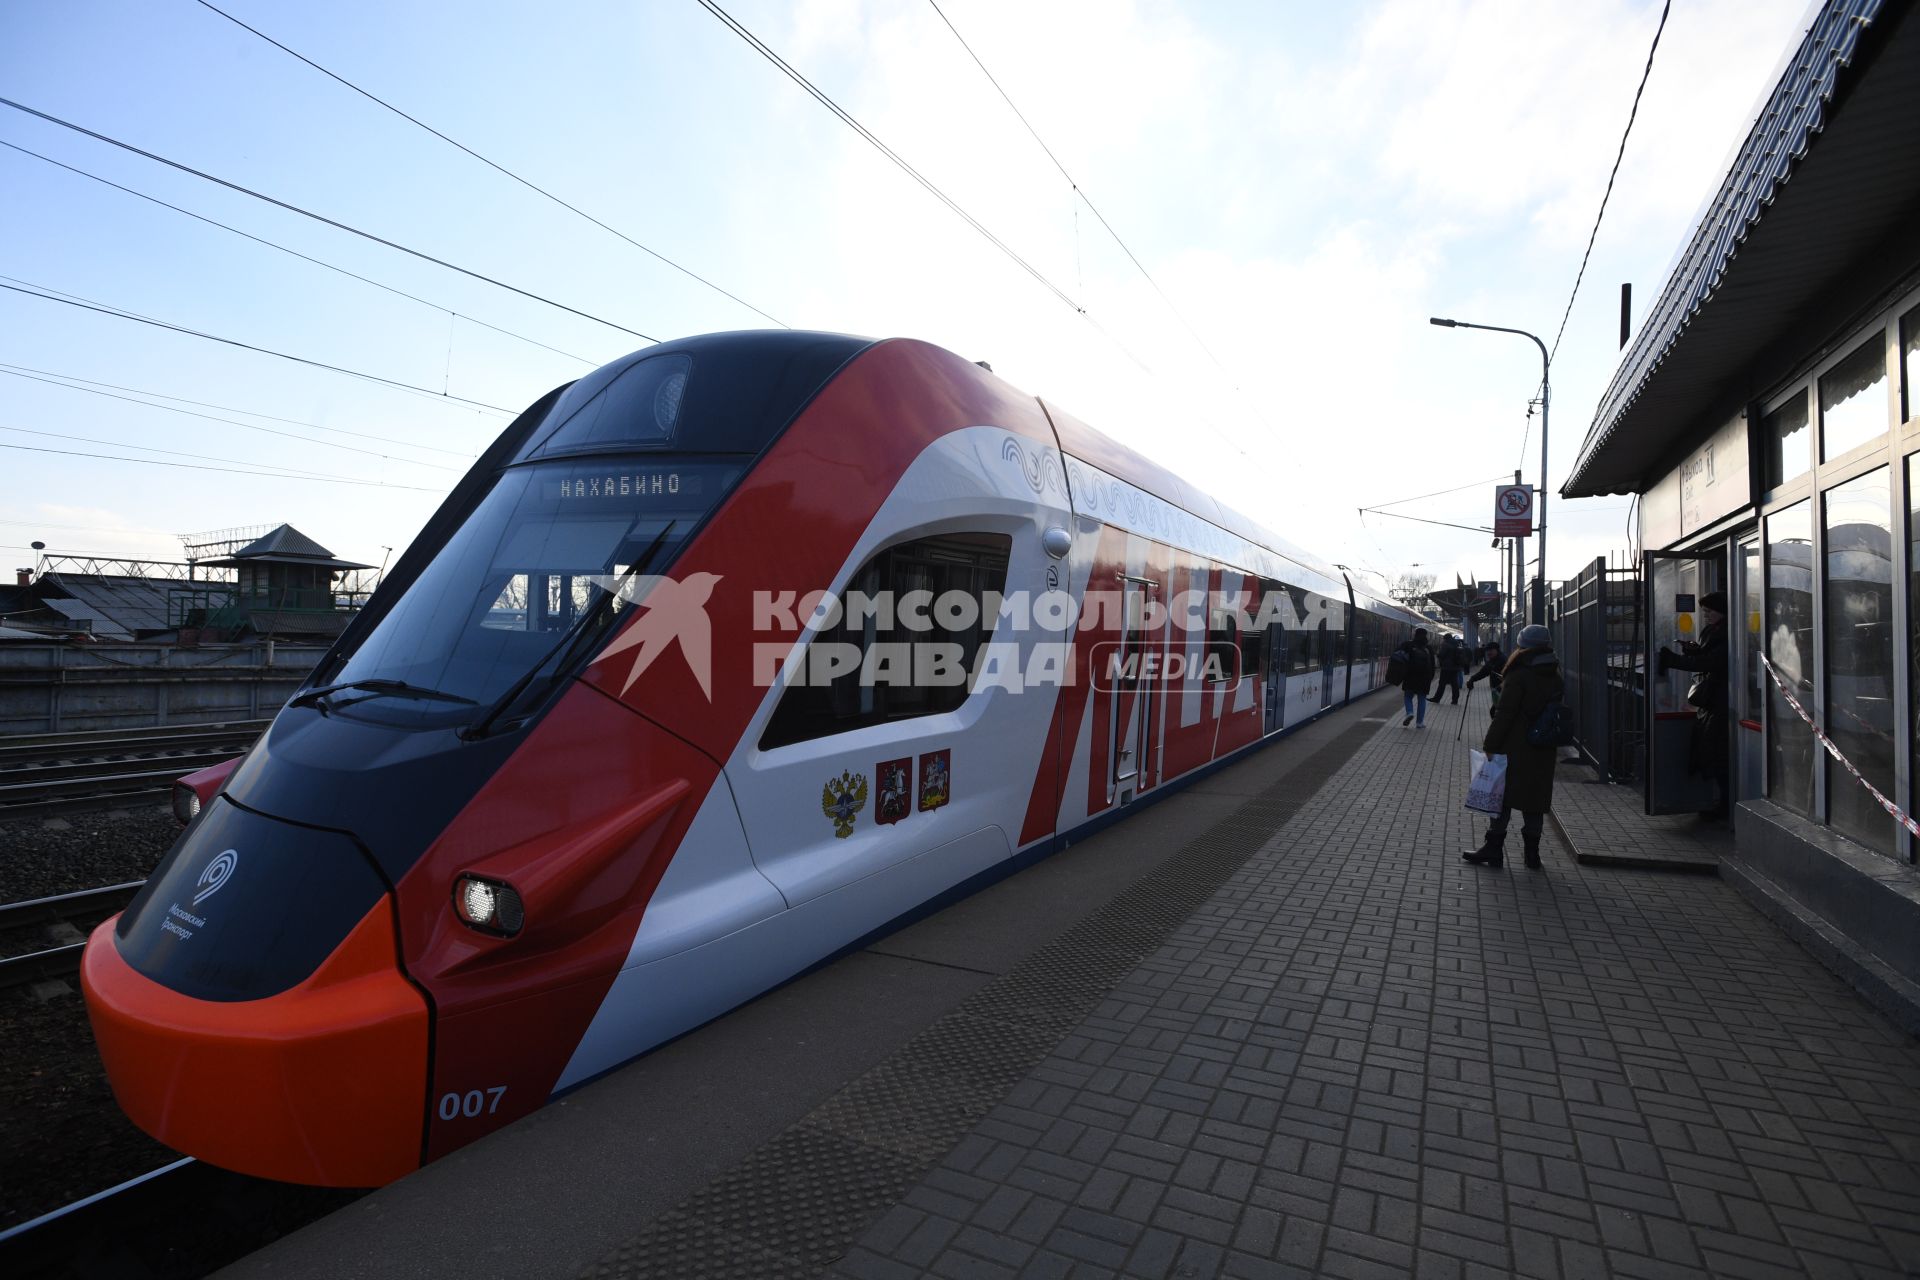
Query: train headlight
487, 905
186, 802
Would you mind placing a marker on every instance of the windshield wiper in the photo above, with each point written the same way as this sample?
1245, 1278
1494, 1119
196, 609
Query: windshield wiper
569, 641
398, 688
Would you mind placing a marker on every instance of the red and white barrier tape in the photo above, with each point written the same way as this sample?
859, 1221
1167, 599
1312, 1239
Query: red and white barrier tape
1899, 815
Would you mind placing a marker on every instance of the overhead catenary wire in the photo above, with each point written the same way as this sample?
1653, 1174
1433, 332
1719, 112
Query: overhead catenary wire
1438, 493
322, 218
764, 50
103, 309
299, 472
1618, 156
272, 431
224, 408
318, 262
190, 466
1078, 191
496, 166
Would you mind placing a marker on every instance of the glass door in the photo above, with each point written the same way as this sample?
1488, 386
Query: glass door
1682, 765
1747, 681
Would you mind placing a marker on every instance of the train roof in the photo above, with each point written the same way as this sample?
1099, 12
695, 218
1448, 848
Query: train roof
749, 384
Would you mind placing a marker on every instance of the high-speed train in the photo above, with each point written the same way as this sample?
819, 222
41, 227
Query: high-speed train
626, 738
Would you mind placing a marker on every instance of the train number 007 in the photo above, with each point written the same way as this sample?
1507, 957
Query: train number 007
474, 1102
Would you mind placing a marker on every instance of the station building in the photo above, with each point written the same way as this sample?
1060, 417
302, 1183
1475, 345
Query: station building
1767, 416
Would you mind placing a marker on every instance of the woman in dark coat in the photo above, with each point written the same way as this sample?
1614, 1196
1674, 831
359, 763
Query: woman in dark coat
1707, 753
1530, 683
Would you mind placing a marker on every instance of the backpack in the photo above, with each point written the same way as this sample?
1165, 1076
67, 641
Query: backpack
1397, 665
1553, 727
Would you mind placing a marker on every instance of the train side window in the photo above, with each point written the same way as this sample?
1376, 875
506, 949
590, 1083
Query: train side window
877, 664
1253, 649
1223, 647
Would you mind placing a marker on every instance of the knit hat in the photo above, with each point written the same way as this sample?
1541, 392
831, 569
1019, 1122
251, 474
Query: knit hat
1535, 636
1714, 600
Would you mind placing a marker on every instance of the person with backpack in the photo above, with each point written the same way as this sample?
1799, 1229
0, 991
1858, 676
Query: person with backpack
1413, 661
1453, 661
1492, 661
1529, 730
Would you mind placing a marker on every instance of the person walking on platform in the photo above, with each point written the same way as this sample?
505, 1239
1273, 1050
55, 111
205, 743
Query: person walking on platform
1453, 661
1492, 660
1415, 661
1532, 683
1707, 749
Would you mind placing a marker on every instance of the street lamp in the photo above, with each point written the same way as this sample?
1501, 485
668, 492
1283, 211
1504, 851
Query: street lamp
1540, 596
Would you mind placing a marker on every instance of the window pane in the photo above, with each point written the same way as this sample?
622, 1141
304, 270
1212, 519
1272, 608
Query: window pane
1910, 362
1790, 759
640, 406
1748, 620
892, 657
1859, 654
1787, 441
1853, 399
1913, 595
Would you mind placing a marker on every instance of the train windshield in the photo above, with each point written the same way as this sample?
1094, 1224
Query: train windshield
541, 557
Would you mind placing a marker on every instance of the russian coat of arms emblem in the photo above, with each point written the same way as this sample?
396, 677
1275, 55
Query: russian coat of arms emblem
842, 799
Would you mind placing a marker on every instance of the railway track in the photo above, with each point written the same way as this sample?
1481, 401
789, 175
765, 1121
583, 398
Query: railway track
42, 938
186, 1218
44, 774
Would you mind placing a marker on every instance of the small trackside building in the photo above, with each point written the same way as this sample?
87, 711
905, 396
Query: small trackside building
1767, 416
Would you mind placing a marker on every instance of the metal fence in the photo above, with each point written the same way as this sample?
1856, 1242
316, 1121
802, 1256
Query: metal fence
55, 688
1599, 634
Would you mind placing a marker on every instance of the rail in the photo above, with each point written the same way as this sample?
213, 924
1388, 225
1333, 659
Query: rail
81, 910
42, 774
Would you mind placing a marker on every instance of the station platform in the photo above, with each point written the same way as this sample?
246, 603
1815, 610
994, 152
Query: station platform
1270, 1026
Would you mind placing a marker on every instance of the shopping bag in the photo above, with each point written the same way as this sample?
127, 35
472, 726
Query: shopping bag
1487, 793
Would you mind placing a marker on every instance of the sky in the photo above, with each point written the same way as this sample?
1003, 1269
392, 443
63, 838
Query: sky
1303, 185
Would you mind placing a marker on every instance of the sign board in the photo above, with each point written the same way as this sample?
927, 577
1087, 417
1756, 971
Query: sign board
1513, 511
1488, 588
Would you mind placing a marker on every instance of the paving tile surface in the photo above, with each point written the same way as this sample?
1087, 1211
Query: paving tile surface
1604, 824
1361, 1057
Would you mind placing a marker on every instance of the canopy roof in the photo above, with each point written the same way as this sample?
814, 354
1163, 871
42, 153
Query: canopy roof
1828, 173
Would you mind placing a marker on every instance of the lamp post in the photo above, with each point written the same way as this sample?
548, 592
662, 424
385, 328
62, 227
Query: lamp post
1539, 596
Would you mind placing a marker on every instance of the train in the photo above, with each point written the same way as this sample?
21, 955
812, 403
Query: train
729, 656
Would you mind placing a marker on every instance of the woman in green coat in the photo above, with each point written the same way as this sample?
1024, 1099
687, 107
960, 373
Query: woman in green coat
1529, 684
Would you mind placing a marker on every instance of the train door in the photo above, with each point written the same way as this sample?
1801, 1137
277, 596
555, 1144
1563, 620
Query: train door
1328, 644
1132, 690
1275, 676
1675, 582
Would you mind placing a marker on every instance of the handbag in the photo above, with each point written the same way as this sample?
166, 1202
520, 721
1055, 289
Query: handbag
1487, 792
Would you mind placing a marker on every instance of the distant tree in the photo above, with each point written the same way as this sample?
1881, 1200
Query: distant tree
1411, 589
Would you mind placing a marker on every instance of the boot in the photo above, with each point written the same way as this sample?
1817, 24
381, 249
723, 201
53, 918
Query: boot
1532, 850
1491, 853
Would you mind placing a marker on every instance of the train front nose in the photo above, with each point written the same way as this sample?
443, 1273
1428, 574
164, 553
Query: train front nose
251, 1011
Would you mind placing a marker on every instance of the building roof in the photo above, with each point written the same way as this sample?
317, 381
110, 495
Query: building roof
1828, 171
285, 545
114, 606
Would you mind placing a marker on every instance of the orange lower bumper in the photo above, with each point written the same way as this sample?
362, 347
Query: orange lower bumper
324, 1083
